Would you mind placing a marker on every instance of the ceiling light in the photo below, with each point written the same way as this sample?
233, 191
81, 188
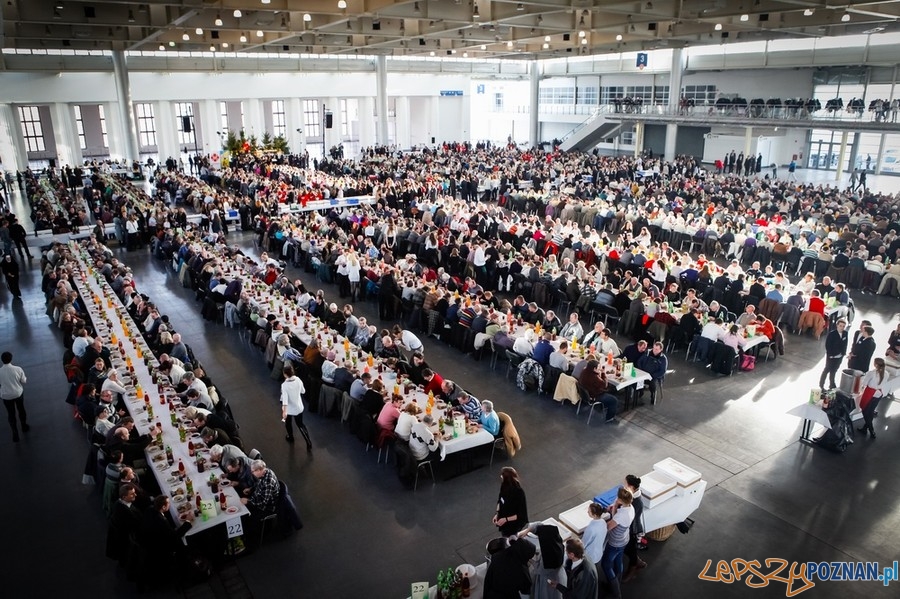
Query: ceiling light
342, 4
171, 44
212, 48
349, 26
546, 46
185, 37
259, 33
808, 12
649, 6
130, 16
237, 13
431, 53
58, 6
218, 20
199, 31
520, 6
584, 41
307, 17
745, 18
509, 44
718, 27
484, 46
224, 44
162, 48
465, 54
546, 38
582, 33
475, 14
265, 1
416, 6
619, 38
846, 17
243, 38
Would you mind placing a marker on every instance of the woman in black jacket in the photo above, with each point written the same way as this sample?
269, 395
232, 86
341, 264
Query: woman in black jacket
512, 509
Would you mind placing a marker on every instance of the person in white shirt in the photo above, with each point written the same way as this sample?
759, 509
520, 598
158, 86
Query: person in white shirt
12, 391
874, 385
406, 421
292, 406
572, 329
607, 344
558, 358
422, 443
522, 346
81, 343
618, 527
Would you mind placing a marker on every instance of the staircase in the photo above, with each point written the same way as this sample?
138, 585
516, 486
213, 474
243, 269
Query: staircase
591, 132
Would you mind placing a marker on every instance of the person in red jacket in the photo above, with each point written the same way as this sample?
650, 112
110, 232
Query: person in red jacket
433, 381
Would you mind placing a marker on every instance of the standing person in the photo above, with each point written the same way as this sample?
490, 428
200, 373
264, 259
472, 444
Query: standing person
549, 572
292, 406
863, 350
792, 168
581, 574
10, 269
512, 510
621, 516
862, 180
636, 531
12, 391
18, 234
835, 350
594, 536
873, 384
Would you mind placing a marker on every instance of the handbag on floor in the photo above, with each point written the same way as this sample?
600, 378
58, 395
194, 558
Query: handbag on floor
748, 362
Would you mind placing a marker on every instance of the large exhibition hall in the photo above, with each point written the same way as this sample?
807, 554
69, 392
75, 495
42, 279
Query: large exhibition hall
450, 298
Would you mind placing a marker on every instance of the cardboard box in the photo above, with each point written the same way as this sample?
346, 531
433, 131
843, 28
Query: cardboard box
683, 476
656, 488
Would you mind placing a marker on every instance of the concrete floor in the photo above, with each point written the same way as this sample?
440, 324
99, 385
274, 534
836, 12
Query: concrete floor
366, 536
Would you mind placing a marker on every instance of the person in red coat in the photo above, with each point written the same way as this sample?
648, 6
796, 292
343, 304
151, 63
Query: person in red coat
433, 381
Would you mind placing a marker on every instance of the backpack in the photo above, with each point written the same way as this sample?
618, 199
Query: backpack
748, 362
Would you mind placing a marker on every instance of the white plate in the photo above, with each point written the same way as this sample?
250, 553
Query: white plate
162, 466
178, 498
232, 510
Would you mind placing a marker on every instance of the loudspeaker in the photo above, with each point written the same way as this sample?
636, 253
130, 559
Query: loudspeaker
186, 124
53, 163
329, 120
432, 140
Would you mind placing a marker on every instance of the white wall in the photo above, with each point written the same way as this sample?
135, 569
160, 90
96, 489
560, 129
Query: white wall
750, 84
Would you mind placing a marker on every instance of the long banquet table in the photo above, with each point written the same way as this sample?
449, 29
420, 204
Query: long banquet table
113, 322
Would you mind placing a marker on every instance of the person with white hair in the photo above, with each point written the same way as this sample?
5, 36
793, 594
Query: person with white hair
489, 419
179, 349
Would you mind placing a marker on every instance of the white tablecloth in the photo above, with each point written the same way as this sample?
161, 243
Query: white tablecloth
101, 314
811, 412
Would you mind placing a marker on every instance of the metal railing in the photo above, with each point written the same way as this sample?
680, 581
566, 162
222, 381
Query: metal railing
597, 111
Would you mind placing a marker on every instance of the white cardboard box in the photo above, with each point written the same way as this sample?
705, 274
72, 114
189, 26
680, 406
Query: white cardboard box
577, 518
656, 488
684, 477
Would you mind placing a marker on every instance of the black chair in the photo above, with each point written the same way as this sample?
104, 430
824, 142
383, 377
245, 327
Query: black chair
514, 360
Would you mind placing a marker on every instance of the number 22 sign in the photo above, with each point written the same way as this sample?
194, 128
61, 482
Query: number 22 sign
234, 527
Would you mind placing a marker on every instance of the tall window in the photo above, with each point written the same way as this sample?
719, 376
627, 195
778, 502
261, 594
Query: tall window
185, 109
32, 129
609, 93
556, 95
79, 124
223, 113
588, 95
146, 123
312, 117
279, 123
701, 94
103, 126
345, 119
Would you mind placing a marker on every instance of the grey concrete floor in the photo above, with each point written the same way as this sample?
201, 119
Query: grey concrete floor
366, 536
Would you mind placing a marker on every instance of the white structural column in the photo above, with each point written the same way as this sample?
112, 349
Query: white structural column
167, 128
11, 156
333, 135
841, 155
367, 122
748, 143
254, 123
638, 137
675, 74
381, 99
212, 125
126, 108
401, 112
879, 160
534, 123
293, 115
65, 134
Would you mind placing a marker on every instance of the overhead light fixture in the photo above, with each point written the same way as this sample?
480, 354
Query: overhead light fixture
619, 38
259, 33
265, 1
171, 44
212, 48
199, 31
808, 12
475, 14
632, 28
224, 44
582, 33
342, 4
465, 54
243, 38
349, 26
546, 46
130, 16
484, 46
520, 7
307, 17
431, 53
745, 18
846, 17
718, 27
416, 6
649, 6
584, 41
581, 21
162, 48
218, 20
540, 19
546, 38
185, 37
237, 13
509, 44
